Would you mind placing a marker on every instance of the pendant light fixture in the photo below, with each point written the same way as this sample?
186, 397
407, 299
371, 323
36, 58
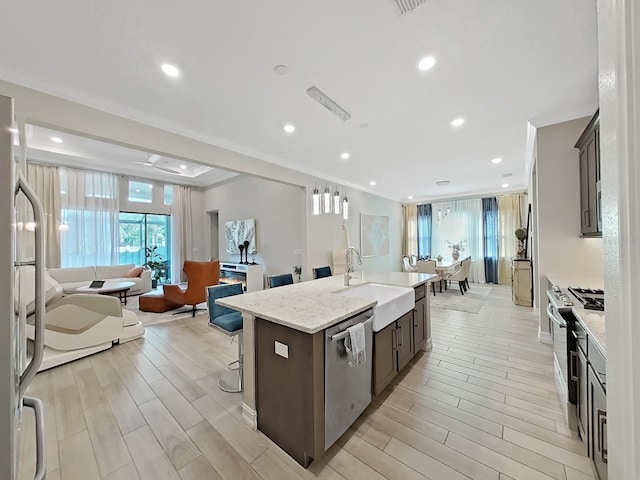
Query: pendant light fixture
316, 201
336, 201
345, 207
327, 199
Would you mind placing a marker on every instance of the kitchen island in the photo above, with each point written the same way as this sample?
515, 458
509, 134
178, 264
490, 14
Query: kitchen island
301, 313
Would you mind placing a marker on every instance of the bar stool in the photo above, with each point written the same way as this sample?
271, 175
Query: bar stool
229, 322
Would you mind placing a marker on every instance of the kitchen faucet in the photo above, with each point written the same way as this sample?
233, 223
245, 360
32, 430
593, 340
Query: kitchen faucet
349, 261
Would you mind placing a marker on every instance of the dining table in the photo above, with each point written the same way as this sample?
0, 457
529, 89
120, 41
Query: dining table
445, 267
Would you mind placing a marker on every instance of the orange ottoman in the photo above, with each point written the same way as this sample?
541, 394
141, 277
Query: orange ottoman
156, 303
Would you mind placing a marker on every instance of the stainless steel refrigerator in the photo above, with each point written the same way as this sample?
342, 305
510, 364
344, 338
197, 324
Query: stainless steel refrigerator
17, 366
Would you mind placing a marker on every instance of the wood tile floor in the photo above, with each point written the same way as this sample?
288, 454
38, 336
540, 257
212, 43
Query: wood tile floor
481, 405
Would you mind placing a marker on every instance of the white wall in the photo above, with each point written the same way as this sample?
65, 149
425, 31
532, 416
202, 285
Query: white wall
284, 224
560, 249
276, 209
199, 227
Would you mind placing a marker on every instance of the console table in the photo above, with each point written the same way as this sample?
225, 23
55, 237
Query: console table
251, 276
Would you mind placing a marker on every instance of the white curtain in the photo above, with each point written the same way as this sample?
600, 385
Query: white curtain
410, 230
44, 179
90, 208
509, 219
181, 240
463, 223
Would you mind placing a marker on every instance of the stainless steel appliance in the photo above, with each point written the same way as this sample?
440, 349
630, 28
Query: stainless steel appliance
16, 370
590, 298
347, 388
561, 323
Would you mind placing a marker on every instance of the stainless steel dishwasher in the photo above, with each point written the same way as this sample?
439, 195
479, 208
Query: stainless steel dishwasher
347, 389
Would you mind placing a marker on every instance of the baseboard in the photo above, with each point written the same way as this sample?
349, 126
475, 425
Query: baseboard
428, 345
250, 417
544, 337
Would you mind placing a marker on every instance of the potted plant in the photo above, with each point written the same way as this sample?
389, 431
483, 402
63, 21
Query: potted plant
297, 269
456, 248
157, 264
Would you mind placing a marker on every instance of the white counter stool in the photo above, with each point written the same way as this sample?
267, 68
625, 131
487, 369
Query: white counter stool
229, 322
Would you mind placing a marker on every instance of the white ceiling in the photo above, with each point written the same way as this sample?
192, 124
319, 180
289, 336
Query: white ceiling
76, 151
499, 64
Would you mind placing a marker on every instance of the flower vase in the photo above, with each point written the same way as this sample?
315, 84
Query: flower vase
455, 254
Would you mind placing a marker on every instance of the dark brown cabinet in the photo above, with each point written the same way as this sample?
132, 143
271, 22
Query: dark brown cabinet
290, 389
385, 363
598, 438
589, 146
404, 339
395, 345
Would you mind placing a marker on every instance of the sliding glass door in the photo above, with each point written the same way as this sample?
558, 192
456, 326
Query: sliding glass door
141, 230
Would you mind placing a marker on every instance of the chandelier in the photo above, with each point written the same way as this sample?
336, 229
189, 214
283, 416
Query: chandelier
329, 203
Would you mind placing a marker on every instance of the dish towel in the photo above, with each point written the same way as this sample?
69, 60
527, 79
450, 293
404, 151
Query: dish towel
357, 344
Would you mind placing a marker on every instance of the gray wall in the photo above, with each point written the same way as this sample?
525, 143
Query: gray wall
276, 210
561, 251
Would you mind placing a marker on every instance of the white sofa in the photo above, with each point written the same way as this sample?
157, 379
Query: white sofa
76, 325
73, 277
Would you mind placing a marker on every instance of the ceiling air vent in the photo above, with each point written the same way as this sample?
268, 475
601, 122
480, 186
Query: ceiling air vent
408, 5
325, 101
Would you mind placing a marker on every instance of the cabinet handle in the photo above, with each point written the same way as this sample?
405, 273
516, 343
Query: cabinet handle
573, 358
401, 342
394, 339
602, 423
585, 218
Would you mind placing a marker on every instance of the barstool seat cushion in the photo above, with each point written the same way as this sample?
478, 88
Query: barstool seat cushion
230, 322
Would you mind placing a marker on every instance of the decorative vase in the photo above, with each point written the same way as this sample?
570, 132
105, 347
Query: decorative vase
439, 258
241, 248
246, 252
455, 254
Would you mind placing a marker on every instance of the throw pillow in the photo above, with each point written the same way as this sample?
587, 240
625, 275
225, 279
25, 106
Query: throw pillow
134, 272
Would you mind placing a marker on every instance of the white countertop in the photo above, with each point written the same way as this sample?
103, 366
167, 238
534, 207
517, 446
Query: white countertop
313, 305
584, 281
595, 325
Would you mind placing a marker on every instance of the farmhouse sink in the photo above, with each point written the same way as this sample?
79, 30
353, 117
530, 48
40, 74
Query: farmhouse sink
393, 302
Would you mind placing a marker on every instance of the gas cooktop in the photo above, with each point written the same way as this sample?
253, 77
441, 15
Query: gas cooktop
590, 298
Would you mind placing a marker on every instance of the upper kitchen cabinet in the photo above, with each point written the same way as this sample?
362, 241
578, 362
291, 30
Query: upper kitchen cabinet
589, 146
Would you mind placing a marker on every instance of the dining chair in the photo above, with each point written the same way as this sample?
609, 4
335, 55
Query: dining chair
229, 322
406, 265
321, 272
280, 280
460, 275
429, 266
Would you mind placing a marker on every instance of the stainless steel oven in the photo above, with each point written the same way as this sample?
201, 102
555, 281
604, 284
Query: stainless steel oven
561, 322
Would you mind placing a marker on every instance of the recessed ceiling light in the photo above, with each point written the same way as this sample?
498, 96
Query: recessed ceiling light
281, 70
505, 185
372, 183
289, 128
183, 166
457, 122
442, 183
496, 160
345, 155
56, 139
426, 63
170, 70
410, 197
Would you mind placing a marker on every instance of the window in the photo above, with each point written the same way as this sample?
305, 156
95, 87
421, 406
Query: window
168, 194
141, 230
141, 192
